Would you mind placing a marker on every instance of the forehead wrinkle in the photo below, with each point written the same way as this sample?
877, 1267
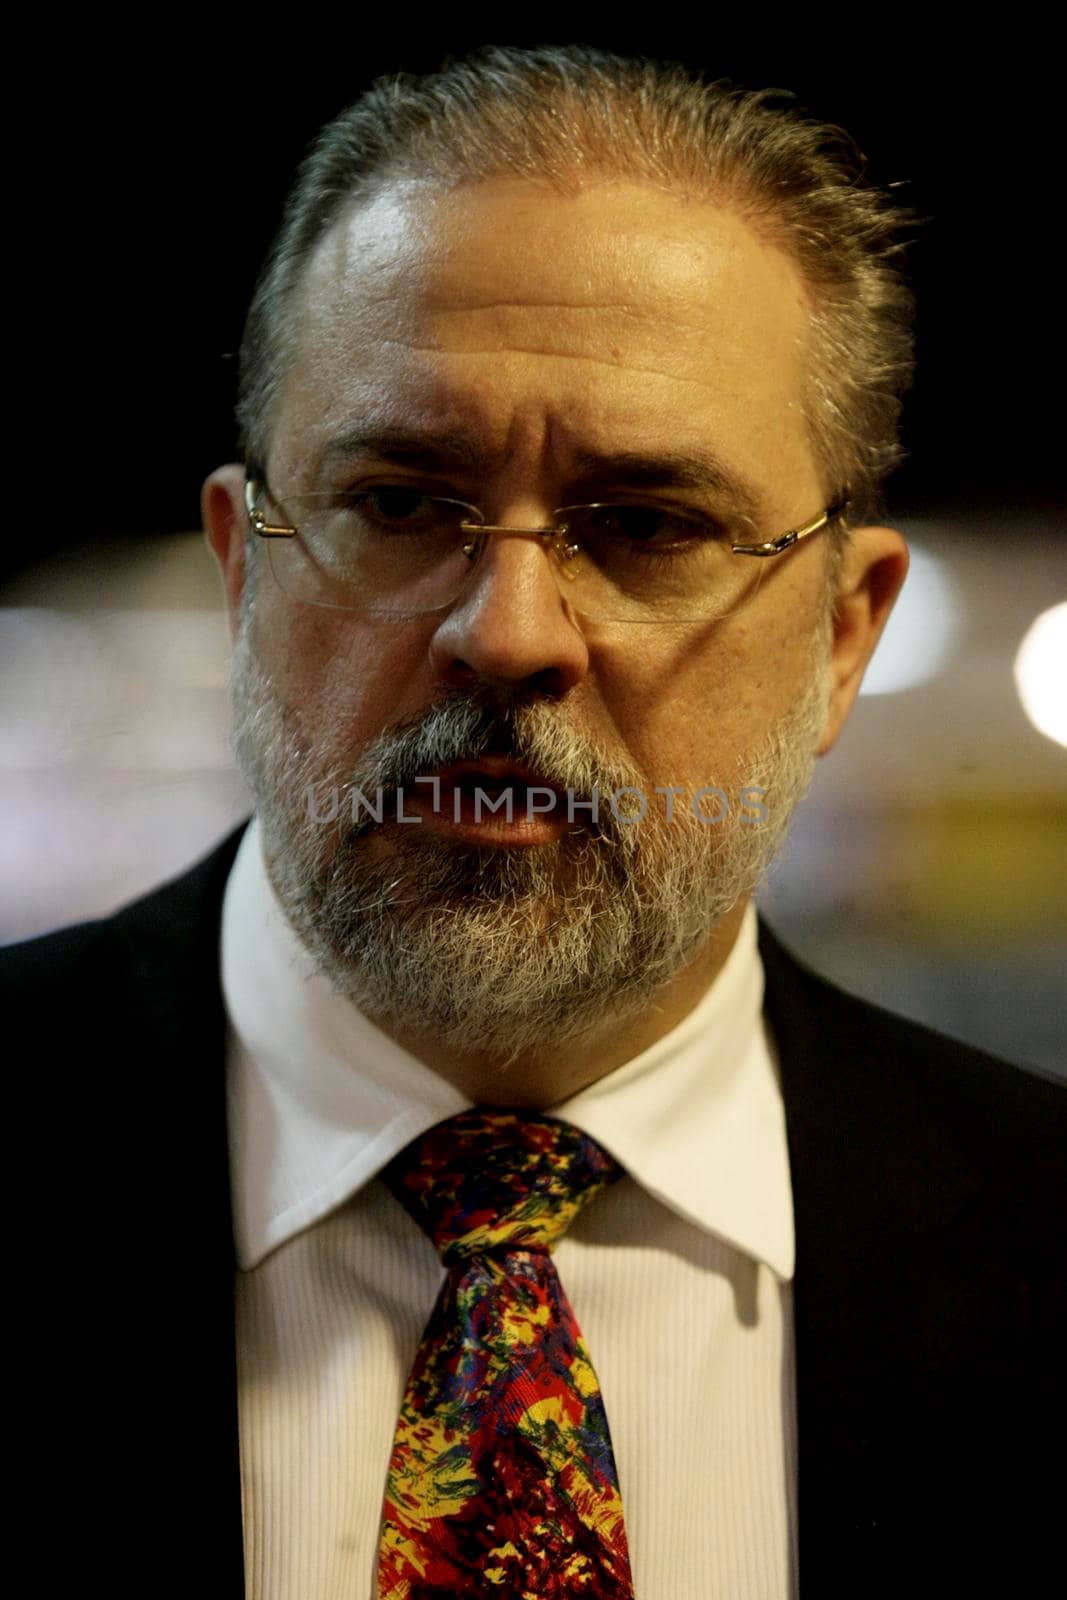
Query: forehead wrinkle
533, 305
552, 355
640, 317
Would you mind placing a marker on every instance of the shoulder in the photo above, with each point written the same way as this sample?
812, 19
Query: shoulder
122, 1027
166, 937
943, 1127
815, 1015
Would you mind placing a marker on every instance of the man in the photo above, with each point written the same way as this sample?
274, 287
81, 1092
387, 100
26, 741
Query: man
553, 564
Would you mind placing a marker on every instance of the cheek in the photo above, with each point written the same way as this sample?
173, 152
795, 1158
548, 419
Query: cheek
341, 680
669, 700
689, 707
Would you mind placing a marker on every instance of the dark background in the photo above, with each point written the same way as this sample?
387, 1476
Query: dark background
176, 156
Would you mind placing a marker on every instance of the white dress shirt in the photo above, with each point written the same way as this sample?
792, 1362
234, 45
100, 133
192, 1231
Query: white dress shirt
679, 1274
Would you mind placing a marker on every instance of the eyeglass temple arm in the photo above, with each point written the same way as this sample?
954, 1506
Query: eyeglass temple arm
260, 525
774, 547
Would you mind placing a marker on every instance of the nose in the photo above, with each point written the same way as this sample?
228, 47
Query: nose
511, 624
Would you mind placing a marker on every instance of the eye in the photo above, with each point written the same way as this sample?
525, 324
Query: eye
395, 506
641, 526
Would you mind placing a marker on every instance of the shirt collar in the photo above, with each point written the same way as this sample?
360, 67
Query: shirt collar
320, 1099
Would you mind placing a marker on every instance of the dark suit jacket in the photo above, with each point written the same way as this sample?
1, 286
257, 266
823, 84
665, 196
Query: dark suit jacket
928, 1294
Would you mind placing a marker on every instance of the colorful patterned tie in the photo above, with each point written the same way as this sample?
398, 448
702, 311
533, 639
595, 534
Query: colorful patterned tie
502, 1478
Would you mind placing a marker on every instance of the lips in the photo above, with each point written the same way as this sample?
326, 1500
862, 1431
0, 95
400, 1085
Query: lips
494, 775
491, 801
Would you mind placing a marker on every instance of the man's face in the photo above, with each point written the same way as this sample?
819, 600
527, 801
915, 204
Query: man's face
543, 336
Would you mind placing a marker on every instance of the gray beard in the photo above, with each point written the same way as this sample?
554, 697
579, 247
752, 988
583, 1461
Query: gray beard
497, 950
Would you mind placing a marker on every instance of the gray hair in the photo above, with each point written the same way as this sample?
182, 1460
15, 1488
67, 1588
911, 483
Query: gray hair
566, 115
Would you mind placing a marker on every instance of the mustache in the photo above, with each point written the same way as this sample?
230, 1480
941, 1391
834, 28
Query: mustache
467, 727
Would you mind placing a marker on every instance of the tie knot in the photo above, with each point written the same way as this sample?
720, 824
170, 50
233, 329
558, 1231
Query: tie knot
498, 1180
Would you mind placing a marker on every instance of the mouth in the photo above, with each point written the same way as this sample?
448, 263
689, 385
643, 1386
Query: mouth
492, 800
496, 774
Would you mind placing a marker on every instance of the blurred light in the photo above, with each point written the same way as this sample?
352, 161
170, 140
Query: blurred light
1041, 673
134, 690
920, 636
53, 683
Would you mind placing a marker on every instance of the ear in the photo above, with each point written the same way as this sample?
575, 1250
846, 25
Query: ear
874, 566
222, 506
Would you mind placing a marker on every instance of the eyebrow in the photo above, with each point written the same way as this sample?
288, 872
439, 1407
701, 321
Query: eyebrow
428, 450
635, 469
670, 470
